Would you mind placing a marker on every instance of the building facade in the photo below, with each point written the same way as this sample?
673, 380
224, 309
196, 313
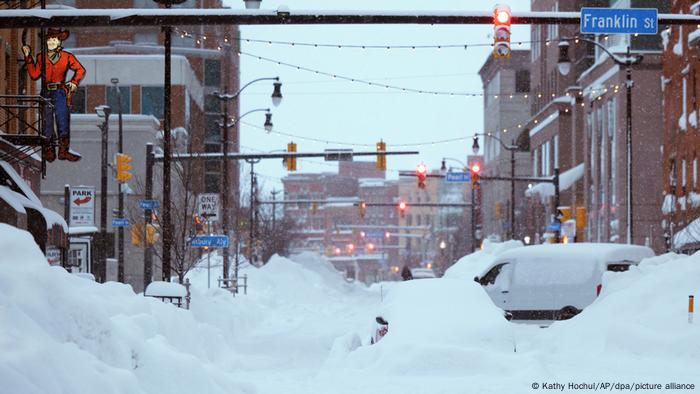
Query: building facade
506, 84
681, 193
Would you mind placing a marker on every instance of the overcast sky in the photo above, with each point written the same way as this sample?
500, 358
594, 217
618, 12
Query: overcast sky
317, 106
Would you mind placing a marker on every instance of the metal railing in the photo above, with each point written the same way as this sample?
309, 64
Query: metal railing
21, 124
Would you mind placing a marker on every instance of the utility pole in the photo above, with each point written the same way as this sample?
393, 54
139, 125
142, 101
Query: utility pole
102, 270
148, 217
120, 253
274, 208
225, 182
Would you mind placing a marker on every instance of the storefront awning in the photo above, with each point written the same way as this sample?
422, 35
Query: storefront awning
566, 180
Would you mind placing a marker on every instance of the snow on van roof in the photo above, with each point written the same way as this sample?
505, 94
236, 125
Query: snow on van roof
600, 251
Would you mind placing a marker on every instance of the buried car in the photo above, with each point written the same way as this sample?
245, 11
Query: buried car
543, 283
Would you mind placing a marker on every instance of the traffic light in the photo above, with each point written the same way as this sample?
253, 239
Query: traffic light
363, 207
381, 159
198, 224
291, 161
402, 209
351, 248
370, 247
475, 170
136, 234
387, 235
123, 167
151, 234
501, 31
421, 174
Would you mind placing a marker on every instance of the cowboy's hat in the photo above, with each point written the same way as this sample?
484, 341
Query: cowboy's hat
62, 35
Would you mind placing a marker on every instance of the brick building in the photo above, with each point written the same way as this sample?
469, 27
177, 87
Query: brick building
681, 198
321, 225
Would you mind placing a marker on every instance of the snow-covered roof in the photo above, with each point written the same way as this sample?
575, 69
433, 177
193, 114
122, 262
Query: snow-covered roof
27, 198
566, 180
603, 252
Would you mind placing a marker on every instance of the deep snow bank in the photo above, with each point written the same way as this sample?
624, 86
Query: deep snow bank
63, 333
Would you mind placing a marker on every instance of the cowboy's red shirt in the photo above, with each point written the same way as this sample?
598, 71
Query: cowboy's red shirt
56, 72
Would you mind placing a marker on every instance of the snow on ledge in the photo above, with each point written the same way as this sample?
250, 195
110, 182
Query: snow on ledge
566, 180
551, 118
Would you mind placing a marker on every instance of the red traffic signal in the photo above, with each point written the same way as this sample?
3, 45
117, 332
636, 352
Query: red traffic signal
501, 15
501, 31
402, 208
421, 175
475, 170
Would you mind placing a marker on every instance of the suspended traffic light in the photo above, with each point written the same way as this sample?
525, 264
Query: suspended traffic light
381, 158
123, 167
363, 208
421, 175
402, 209
370, 246
501, 31
291, 160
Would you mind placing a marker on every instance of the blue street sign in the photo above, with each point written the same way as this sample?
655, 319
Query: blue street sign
619, 20
120, 222
212, 241
554, 226
374, 234
458, 177
149, 204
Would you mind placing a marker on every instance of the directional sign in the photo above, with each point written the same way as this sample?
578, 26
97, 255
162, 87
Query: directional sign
212, 241
149, 204
619, 20
82, 206
208, 206
374, 234
458, 177
120, 222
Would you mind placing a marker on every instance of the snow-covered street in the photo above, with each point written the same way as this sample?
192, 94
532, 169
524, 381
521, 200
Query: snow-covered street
303, 329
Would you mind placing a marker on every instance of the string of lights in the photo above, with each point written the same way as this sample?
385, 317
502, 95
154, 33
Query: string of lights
226, 39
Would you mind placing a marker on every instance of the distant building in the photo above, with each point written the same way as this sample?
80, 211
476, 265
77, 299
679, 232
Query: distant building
332, 224
506, 84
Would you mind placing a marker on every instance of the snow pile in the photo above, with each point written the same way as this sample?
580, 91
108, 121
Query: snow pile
63, 333
637, 324
436, 327
474, 264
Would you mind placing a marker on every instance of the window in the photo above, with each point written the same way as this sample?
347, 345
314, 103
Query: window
522, 81
212, 72
695, 172
112, 101
146, 37
212, 176
78, 103
612, 135
211, 104
152, 101
212, 131
683, 174
490, 277
535, 161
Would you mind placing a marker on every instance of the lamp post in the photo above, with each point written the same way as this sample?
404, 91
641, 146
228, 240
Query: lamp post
120, 148
512, 149
225, 98
103, 112
564, 66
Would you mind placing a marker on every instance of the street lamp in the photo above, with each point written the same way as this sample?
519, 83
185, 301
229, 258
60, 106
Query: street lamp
564, 66
103, 112
512, 149
120, 253
225, 98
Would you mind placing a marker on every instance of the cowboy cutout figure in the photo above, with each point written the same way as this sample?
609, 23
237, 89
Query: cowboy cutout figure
58, 62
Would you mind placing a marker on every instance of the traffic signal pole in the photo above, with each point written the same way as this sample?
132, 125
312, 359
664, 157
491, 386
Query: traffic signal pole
120, 253
148, 217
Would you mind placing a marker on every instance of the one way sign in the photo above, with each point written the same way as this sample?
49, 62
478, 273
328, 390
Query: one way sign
208, 206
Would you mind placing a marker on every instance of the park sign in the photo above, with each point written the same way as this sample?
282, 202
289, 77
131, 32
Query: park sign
208, 206
596, 20
82, 206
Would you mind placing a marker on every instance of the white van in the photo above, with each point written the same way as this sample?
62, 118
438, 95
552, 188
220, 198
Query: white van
542, 283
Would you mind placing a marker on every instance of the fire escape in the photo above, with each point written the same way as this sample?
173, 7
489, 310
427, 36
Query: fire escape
22, 116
